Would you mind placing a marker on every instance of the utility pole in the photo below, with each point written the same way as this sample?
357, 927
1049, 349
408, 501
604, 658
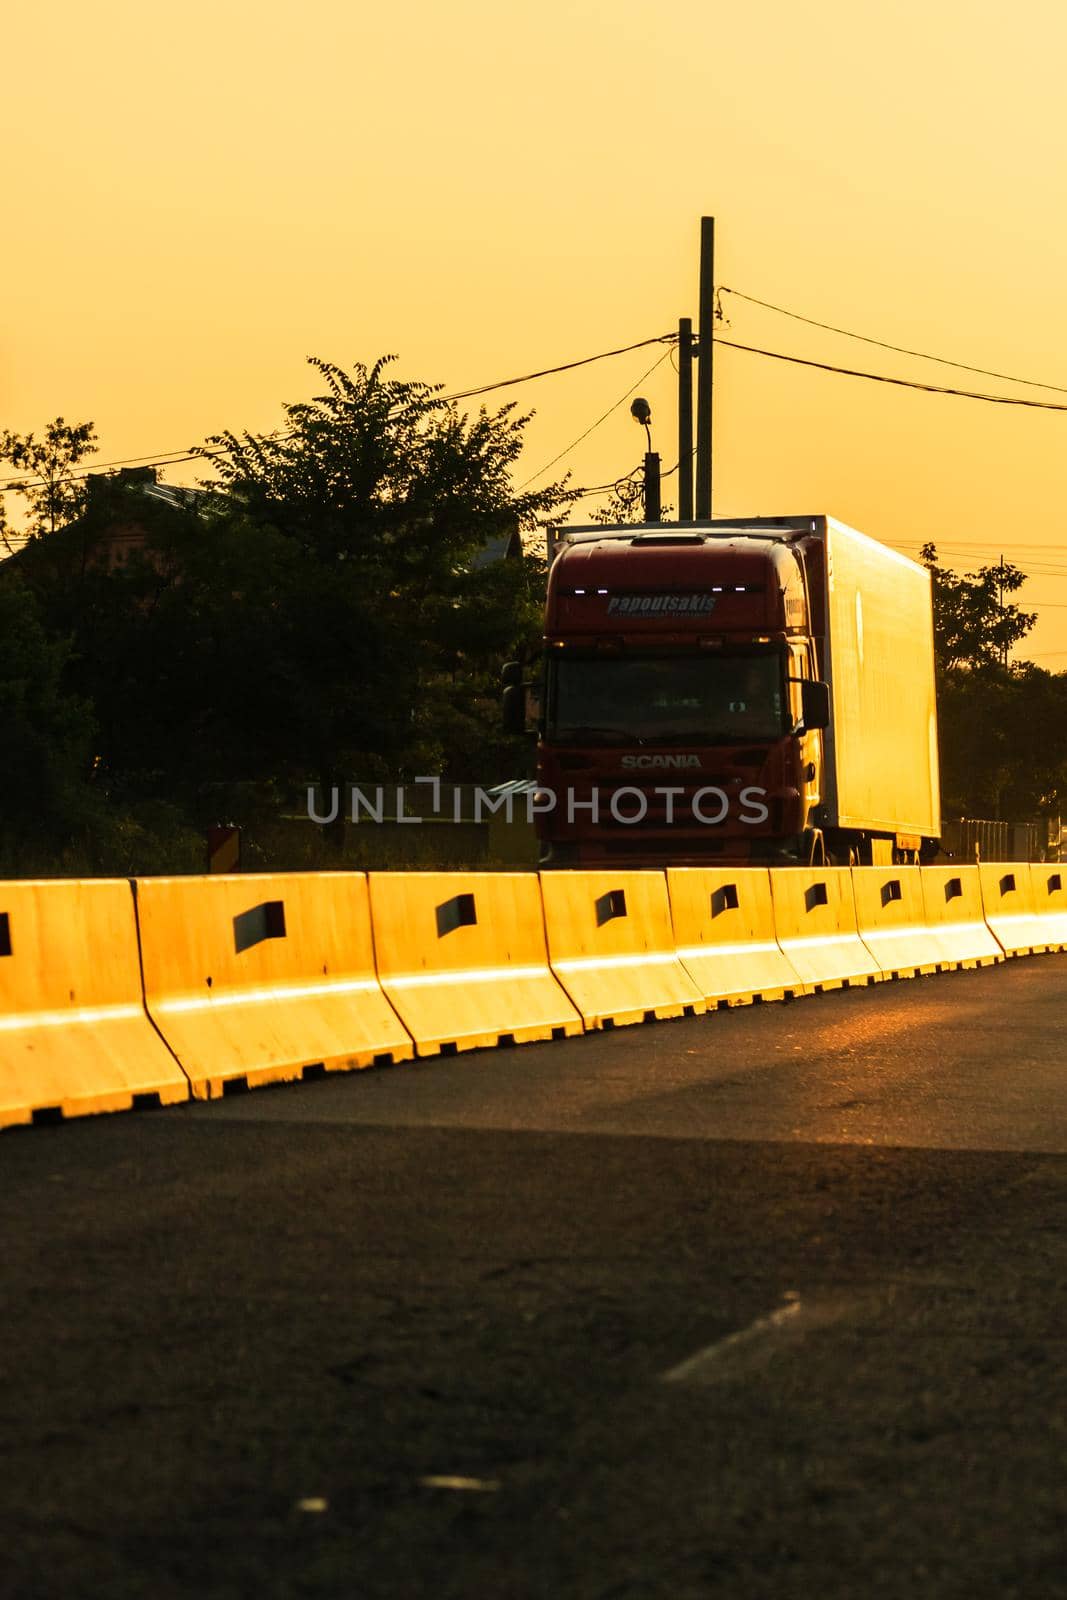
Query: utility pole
704, 360
652, 497
1000, 605
685, 419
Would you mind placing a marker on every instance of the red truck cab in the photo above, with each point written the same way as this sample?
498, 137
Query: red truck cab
682, 706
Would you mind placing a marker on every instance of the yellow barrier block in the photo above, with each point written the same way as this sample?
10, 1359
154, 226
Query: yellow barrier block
891, 918
1008, 903
1049, 885
952, 899
611, 945
462, 957
815, 920
257, 979
74, 1037
723, 922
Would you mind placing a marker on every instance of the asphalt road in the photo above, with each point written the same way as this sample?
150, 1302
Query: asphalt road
767, 1303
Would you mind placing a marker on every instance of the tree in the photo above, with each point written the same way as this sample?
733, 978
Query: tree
334, 608
53, 494
45, 734
972, 625
1003, 726
626, 504
1036, 782
392, 624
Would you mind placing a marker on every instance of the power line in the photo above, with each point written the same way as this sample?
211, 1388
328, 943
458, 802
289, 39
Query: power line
172, 458
900, 349
657, 363
568, 366
177, 456
901, 383
985, 544
159, 460
1032, 566
604, 488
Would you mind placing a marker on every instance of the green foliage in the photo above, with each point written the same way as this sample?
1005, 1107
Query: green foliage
335, 607
973, 626
1003, 729
384, 473
53, 495
1003, 742
625, 504
391, 625
45, 733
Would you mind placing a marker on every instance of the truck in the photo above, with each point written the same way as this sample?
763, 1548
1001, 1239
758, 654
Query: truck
749, 690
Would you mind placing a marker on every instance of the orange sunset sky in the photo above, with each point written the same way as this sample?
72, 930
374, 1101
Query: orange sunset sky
199, 198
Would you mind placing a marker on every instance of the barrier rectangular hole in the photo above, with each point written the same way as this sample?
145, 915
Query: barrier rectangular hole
816, 895
954, 889
459, 912
1055, 884
724, 899
148, 1101
610, 905
891, 891
261, 922
1007, 883
5, 934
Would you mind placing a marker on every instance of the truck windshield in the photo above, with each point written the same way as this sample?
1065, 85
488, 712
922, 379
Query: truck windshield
706, 699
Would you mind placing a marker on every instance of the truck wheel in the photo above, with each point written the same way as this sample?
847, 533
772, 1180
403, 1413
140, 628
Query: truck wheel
813, 848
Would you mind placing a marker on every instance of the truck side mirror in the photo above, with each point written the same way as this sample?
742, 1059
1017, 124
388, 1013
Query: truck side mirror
514, 708
815, 704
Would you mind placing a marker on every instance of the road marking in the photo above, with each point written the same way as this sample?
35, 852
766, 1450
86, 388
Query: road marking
747, 1352
713, 1361
472, 1485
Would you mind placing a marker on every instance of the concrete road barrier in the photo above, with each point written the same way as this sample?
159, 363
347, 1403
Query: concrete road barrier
815, 921
74, 1037
891, 917
1008, 904
723, 921
256, 979
952, 900
611, 945
462, 957
1049, 886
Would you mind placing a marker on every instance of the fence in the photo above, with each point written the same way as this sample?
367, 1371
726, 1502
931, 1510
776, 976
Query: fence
970, 839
